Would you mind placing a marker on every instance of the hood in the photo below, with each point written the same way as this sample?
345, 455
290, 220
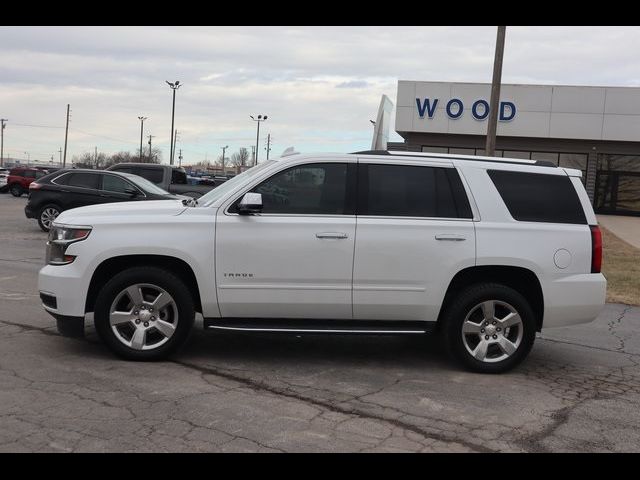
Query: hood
121, 212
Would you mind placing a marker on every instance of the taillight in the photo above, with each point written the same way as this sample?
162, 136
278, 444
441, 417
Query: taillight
596, 249
34, 186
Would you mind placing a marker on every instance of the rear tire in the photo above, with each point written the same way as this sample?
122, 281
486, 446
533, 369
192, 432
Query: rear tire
489, 328
144, 313
47, 215
16, 190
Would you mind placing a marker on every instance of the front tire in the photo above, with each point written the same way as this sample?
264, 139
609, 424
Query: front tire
144, 313
47, 215
16, 190
489, 328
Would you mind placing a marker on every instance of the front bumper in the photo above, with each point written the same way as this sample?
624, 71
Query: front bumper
573, 299
28, 211
67, 285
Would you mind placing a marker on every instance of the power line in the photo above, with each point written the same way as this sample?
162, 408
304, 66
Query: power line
36, 126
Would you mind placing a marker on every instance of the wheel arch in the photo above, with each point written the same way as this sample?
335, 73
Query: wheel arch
521, 279
114, 265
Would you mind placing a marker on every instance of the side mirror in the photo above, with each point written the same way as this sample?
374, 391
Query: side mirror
250, 204
132, 192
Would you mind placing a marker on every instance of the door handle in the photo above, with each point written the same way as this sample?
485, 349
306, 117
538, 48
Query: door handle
450, 237
331, 235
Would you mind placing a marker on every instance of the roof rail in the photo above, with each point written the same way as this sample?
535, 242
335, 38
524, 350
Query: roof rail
404, 153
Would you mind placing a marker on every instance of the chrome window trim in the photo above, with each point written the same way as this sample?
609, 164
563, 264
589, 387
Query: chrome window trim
53, 180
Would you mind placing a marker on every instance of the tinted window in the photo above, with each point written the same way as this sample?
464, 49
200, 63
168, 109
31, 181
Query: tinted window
84, 180
29, 174
178, 177
408, 191
113, 183
154, 175
307, 189
123, 169
536, 197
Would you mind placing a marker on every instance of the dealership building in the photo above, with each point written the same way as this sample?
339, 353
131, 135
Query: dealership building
593, 129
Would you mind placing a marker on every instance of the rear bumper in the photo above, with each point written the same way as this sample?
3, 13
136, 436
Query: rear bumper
573, 299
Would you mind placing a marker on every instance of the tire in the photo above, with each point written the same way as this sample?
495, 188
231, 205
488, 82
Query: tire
505, 348
16, 190
46, 215
70, 326
150, 338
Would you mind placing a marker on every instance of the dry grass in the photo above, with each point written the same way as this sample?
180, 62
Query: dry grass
621, 266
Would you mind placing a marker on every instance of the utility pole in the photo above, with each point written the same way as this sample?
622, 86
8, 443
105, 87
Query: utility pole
180, 159
174, 87
2, 127
142, 119
96, 157
66, 135
492, 127
150, 159
175, 141
223, 150
253, 155
260, 118
60, 152
268, 149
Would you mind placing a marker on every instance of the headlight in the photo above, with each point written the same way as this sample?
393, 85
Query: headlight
59, 239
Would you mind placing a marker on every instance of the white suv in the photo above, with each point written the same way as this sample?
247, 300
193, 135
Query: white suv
485, 250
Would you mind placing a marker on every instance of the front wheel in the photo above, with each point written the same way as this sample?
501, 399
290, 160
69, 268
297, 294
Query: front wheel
144, 313
16, 190
489, 328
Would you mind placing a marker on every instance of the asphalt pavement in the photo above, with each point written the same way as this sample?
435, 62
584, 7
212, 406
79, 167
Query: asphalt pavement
578, 391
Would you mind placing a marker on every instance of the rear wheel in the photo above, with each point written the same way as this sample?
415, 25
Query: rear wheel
144, 313
489, 328
16, 190
47, 215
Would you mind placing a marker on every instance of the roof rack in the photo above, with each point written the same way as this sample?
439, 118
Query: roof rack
537, 163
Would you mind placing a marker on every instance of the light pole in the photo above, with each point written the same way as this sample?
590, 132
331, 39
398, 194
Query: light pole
174, 87
142, 119
223, 150
28, 158
492, 127
260, 118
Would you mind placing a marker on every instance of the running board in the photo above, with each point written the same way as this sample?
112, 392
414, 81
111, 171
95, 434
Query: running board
370, 327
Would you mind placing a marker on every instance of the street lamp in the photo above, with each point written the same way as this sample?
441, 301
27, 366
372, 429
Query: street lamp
223, 150
174, 87
260, 118
142, 119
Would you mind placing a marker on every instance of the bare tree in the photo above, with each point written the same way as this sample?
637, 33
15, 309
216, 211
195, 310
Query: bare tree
240, 158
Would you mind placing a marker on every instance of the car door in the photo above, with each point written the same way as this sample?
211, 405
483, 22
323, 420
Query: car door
414, 232
78, 189
294, 260
114, 188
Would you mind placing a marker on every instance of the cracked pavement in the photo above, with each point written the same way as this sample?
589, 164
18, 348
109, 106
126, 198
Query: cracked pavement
579, 390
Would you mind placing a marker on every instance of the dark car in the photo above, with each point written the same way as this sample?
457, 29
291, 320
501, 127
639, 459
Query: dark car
20, 178
71, 188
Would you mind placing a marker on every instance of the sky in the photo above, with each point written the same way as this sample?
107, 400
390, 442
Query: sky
319, 86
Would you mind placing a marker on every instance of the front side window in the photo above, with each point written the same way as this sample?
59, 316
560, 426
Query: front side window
314, 189
113, 183
411, 191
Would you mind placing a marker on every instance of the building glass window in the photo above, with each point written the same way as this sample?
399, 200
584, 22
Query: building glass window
483, 153
517, 154
548, 156
426, 148
462, 151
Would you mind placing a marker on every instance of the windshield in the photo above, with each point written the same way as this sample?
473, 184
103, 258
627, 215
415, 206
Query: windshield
229, 185
145, 184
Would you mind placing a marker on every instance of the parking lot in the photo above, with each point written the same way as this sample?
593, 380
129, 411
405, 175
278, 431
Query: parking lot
579, 390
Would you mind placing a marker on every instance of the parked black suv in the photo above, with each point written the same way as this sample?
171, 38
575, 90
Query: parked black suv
71, 188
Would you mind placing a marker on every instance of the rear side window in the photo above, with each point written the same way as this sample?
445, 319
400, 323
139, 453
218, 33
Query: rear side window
154, 175
178, 177
82, 180
538, 197
411, 191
